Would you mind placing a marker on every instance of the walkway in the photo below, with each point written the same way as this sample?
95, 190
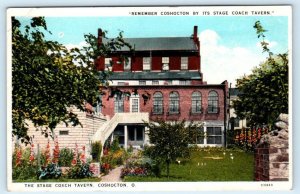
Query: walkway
113, 176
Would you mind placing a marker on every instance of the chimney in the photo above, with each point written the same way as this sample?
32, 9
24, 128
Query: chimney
100, 33
195, 35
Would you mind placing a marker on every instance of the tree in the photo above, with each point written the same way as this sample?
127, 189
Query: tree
264, 93
171, 139
47, 78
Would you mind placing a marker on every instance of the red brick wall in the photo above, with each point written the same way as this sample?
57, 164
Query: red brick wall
175, 63
184, 100
156, 64
194, 63
137, 63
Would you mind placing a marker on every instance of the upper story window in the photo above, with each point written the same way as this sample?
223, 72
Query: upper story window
127, 64
157, 103
98, 108
165, 63
155, 82
213, 102
184, 63
169, 82
142, 82
184, 82
174, 103
121, 83
146, 63
196, 102
119, 103
108, 63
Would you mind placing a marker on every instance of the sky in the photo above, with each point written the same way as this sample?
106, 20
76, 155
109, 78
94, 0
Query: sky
229, 46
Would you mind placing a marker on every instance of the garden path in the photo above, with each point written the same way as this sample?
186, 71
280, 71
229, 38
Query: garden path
113, 176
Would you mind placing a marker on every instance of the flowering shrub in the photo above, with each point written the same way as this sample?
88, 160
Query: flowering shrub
105, 167
23, 163
56, 152
138, 167
248, 139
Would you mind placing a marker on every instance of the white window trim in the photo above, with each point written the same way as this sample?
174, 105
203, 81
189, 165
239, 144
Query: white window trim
131, 101
205, 136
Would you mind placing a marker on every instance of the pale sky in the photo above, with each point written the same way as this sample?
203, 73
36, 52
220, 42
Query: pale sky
229, 45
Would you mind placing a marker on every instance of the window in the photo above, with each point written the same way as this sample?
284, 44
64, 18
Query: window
127, 64
196, 102
165, 63
135, 105
142, 83
121, 83
119, 103
184, 82
200, 138
214, 135
184, 63
169, 82
98, 108
108, 63
213, 101
236, 122
157, 103
165, 60
155, 82
146, 63
174, 103
64, 132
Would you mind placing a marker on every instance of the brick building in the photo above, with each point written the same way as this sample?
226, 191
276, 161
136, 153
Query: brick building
161, 79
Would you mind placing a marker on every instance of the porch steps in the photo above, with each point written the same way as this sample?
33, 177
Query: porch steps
119, 118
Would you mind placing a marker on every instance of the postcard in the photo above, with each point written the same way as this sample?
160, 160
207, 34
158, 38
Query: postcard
183, 98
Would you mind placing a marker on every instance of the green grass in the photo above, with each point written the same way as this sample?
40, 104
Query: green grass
92, 179
241, 168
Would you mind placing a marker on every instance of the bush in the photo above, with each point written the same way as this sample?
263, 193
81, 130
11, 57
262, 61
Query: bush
65, 157
115, 144
25, 169
80, 171
49, 172
96, 151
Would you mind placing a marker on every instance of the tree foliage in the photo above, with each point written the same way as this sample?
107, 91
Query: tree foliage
264, 93
47, 78
171, 139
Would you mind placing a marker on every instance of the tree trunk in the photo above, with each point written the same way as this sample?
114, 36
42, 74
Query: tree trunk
168, 169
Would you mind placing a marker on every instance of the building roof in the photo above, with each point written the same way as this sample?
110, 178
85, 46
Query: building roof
160, 43
186, 75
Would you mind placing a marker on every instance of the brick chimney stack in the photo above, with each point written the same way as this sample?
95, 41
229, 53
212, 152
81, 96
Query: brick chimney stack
195, 36
100, 33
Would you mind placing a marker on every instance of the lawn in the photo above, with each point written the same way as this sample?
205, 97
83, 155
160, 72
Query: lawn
208, 165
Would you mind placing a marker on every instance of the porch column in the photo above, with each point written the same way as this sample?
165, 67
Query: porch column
146, 137
125, 137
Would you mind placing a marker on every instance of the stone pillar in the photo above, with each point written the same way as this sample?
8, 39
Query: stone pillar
272, 154
125, 137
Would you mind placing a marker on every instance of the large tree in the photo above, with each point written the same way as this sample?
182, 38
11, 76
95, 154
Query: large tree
264, 93
171, 139
47, 78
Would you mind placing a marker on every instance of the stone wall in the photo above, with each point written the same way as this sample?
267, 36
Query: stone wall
272, 153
